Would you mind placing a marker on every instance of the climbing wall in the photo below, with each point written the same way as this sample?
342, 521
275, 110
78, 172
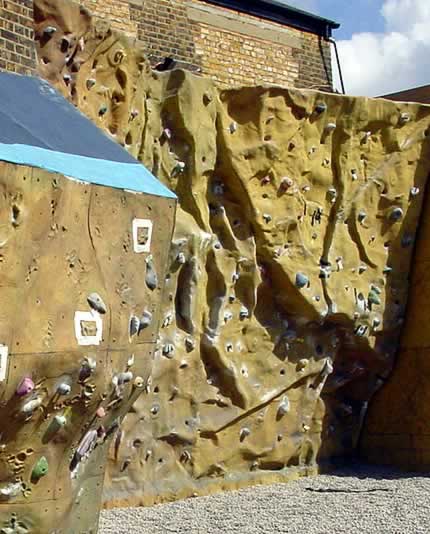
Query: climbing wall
288, 270
396, 430
81, 276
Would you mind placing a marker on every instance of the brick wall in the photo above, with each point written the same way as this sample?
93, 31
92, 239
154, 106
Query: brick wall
233, 48
165, 29
17, 50
118, 12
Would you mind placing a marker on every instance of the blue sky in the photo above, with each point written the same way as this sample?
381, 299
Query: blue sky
354, 15
384, 44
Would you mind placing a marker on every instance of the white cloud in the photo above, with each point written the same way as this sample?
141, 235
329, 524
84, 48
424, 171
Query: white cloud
380, 63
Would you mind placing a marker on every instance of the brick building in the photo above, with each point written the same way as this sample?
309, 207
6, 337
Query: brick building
233, 41
17, 51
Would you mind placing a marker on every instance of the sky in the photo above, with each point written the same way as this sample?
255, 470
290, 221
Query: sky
384, 45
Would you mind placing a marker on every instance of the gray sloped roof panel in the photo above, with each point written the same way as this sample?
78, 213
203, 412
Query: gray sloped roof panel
38, 127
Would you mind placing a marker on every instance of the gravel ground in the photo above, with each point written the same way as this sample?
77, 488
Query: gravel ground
360, 500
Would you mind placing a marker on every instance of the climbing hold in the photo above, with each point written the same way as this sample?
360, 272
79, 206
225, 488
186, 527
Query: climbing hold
155, 408
265, 180
87, 368
168, 350
233, 127
167, 133
325, 272
321, 107
25, 387
134, 113
361, 216
145, 320
190, 344
9, 491
181, 259
373, 298
396, 214
301, 280
387, 270
330, 127
244, 313
179, 168
302, 364
64, 389
100, 412
267, 218
40, 469
90, 83
67, 78
286, 183
123, 378
362, 269
366, 137
32, 405
376, 289
354, 175
139, 382
49, 30
207, 99
151, 278
414, 191
244, 432
59, 421
360, 331
218, 188
134, 325
404, 118
103, 110
185, 457
228, 316
332, 194
85, 446
229, 347
376, 322
284, 407
327, 368
96, 302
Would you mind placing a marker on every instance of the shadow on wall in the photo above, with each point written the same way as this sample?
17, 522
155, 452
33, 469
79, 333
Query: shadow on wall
395, 432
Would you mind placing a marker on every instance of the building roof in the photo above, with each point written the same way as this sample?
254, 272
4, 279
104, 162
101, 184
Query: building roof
40, 128
417, 94
279, 11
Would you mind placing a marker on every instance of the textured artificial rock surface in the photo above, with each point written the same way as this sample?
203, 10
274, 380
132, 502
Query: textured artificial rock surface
397, 428
288, 270
66, 275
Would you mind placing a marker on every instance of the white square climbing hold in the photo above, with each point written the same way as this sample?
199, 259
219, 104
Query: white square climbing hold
88, 327
4, 356
142, 234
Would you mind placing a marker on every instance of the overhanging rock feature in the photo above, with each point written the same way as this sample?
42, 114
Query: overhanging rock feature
288, 276
82, 223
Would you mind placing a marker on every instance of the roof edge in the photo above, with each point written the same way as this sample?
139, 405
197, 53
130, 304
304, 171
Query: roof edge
133, 177
282, 14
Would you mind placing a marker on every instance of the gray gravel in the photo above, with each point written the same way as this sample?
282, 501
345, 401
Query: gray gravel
360, 500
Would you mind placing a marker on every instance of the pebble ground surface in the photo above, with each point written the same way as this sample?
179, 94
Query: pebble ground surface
362, 499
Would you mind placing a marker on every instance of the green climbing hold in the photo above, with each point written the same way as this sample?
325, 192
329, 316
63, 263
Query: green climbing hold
374, 298
40, 469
